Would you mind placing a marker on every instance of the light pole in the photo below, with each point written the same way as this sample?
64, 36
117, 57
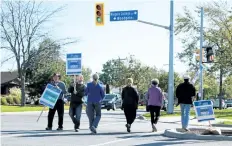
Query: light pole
201, 57
171, 56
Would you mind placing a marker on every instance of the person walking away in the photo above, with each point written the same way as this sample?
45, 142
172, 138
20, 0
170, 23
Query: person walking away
130, 99
155, 100
76, 101
185, 93
59, 106
95, 93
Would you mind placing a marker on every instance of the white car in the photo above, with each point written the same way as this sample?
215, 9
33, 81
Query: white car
216, 104
229, 102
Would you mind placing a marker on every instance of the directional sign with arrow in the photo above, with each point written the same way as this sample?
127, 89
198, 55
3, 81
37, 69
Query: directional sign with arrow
124, 15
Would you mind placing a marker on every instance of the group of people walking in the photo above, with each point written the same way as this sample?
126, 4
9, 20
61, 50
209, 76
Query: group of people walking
130, 98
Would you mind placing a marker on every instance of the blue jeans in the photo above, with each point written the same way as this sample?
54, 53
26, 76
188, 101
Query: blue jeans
185, 111
75, 114
93, 111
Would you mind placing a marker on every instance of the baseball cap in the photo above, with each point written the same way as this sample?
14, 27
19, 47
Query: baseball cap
186, 77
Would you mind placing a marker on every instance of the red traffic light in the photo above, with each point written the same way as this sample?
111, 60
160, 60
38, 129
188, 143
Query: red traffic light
98, 7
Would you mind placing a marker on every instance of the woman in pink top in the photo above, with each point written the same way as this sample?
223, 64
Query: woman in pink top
155, 98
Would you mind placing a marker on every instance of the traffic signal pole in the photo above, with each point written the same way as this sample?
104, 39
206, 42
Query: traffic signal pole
201, 57
171, 56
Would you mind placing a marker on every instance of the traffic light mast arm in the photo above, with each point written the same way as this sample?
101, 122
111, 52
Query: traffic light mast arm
157, 25
210, 62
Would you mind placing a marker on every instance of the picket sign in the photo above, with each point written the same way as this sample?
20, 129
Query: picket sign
49, 97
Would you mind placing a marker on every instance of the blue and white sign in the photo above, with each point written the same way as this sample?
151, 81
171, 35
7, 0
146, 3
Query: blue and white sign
124, 15
73, 64
204, 110
50, 96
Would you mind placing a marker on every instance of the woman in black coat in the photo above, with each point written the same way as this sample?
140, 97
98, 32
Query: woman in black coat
130, 100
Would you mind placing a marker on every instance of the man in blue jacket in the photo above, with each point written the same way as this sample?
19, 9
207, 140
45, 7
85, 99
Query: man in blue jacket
95, 93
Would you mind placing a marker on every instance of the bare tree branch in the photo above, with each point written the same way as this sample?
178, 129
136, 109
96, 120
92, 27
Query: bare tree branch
2, 62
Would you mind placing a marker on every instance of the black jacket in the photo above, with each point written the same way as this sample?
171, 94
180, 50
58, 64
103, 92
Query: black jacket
184, 92
76, 99
130, 97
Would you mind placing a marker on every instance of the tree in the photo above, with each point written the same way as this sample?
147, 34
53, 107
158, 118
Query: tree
115, 72
21, 27
141, 74
228, 86
218, 34
163, 80
86, 72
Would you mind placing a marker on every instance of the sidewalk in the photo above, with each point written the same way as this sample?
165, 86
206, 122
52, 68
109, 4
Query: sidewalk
193, 121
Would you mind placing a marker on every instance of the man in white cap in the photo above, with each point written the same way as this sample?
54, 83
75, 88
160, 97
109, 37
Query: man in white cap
76, 101
95, 93
185, 93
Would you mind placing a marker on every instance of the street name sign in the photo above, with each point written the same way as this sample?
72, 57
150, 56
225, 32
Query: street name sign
73, 64
124, 15
50, 96
204, 110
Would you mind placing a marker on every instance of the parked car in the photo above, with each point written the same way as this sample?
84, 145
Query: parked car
228, 102
216, 104
111, 101
164, 105
142, 102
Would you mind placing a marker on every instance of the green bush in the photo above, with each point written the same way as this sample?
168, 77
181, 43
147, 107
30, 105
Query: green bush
16, 100
15, 92
3, 101
10, 100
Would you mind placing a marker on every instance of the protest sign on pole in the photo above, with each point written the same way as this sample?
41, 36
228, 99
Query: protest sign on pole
204, 110
73, 64
49, 97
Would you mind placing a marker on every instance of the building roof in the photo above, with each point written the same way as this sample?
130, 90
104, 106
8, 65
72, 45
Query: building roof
8, 76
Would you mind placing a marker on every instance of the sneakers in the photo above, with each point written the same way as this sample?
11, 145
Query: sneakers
186, 129
76, 130
93, 130
48, 128
154, 128
128, 128
59, 129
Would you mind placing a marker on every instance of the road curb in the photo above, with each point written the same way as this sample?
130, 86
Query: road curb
174, 134
222, 125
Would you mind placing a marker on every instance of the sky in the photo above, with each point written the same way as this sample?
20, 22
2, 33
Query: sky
99, 44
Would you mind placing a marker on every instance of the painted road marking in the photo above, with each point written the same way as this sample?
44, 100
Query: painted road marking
47, 133
126, 139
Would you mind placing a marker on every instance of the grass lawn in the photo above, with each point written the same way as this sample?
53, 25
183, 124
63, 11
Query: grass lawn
226, 122
223, 114
142, 107
5, 108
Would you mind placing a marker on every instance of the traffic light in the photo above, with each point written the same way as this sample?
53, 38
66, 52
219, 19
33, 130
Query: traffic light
209, 54
99, 14
197, 56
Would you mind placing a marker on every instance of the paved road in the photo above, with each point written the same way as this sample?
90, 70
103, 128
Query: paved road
21, 129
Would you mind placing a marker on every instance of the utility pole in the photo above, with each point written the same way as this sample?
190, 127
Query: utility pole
201, 57
171, 56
